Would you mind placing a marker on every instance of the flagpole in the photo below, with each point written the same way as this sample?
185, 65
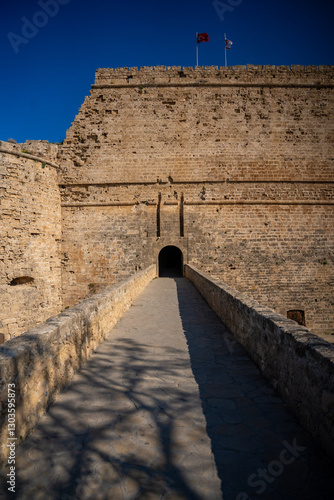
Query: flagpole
196, 49
225, 49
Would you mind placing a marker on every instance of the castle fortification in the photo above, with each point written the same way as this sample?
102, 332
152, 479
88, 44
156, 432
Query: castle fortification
233, 166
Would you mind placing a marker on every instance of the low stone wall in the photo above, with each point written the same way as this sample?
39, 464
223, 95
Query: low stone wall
40, 362
299, 364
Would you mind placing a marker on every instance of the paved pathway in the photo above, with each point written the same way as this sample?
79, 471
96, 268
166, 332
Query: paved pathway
170, 407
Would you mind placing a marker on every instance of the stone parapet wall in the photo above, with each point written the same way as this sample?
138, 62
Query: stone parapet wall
43, 360
251, 74
299, 364
46, 151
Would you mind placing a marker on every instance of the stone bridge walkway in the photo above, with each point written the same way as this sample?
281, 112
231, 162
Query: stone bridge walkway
170, 407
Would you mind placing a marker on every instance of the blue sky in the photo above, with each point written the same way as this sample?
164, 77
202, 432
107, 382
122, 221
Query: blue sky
49, 55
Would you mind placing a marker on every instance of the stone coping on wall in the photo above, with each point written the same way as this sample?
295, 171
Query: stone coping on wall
298, 363
40, 362
251, 75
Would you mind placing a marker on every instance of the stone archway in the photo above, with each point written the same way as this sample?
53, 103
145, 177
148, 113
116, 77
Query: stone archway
170, 262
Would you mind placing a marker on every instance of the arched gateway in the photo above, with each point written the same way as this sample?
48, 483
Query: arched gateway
170, 262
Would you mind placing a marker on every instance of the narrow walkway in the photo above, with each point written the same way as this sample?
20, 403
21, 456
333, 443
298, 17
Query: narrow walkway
170, 407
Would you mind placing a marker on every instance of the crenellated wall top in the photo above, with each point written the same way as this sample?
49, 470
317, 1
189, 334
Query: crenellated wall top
214, 75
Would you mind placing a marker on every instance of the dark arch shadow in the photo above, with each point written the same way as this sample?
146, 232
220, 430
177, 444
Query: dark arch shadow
170, 262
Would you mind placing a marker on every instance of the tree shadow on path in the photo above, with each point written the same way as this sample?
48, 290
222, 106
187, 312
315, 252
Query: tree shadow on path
129, 426
134, 422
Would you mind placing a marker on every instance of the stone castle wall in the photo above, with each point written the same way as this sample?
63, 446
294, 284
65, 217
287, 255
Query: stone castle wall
297, 363
30, 236
202, 125
233, 166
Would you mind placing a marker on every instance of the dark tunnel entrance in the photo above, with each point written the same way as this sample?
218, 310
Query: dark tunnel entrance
170, 262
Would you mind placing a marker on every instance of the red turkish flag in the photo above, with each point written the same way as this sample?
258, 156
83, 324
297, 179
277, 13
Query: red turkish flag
202, 37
